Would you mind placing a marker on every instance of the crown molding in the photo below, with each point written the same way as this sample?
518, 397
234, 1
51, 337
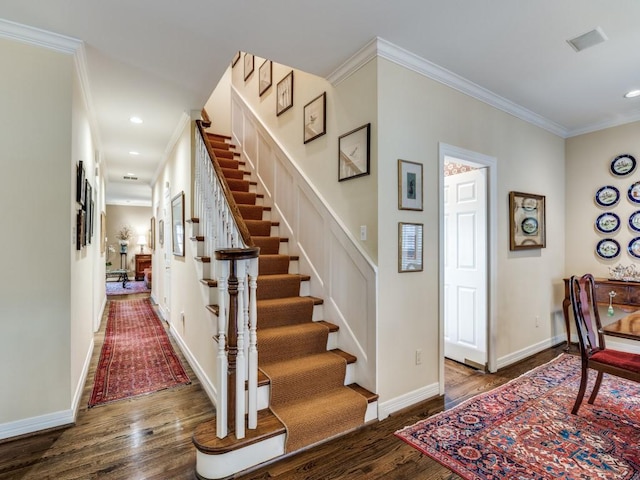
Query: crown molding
635, 117
38, 37
379, 47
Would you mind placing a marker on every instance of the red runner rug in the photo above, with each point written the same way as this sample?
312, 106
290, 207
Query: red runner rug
137, 356
116, 288
525, 429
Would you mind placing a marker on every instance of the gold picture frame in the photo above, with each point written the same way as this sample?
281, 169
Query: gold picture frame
410, 247
527, 228
409, 185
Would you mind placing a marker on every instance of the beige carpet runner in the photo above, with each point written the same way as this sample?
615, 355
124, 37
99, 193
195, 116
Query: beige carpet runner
307, 381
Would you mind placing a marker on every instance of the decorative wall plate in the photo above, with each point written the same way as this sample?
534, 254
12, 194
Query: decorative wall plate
529, 226
607, 222
623, 165
607, 196
634, 247
634, 192
529, 204
634, 221
608, 248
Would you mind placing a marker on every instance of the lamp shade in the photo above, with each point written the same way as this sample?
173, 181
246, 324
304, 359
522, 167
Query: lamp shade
142, 239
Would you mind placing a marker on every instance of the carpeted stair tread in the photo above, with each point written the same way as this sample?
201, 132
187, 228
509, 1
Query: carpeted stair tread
291, 341
220, 145
251, 212
292, 379
223, 153
271, 264
313, 419
237, 184
245, 198
278, 286
259, 228
228, 163
275, 312
268, 245
233, 173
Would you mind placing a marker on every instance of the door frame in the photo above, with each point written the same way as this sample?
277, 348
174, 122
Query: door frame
446, 150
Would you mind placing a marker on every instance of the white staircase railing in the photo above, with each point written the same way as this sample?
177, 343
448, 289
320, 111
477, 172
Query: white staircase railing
226, 239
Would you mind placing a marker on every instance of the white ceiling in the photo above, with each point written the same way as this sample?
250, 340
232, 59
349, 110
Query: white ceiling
160, 59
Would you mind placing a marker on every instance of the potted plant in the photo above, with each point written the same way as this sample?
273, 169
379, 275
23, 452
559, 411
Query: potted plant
124, 235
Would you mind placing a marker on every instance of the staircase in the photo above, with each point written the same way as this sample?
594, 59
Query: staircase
305, 392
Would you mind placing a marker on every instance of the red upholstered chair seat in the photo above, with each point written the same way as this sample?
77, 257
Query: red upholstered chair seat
616, 358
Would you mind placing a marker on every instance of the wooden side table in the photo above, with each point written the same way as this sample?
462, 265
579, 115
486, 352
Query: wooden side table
143, 261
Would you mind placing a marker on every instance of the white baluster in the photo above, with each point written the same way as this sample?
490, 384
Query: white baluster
253, 344
222, 365
241, 377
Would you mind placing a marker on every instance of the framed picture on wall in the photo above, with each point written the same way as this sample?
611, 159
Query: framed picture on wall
526, 221
161, 233
235, 59
315, 120
152, 234
103, 232
80, 183
284, 93
410, 247
177, 224
264, 73
353, 153
409, 185
248, 65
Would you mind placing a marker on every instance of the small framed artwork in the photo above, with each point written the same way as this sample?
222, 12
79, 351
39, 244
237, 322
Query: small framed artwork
235, 59
177, 224
152, 234
264, 73
284, 93
526, 221
410, 247
79, 229
103, 232
80, 178
315, 120
409, 185
353, 153
248, 65
161, 233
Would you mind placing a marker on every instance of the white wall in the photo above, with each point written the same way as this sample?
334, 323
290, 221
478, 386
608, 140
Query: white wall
349, 105
36, 245
139, 219
218, 106
414, 115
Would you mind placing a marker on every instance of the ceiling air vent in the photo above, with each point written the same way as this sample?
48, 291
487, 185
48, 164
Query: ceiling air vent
588, 39
129, 177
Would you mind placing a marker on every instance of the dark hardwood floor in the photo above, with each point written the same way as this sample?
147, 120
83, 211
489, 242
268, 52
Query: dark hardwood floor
149, 437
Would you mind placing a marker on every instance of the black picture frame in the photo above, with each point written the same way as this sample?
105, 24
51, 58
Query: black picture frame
249, 63
354, 158
284, 94
177, 225
235, 59
265, 76
315, 118
80, 178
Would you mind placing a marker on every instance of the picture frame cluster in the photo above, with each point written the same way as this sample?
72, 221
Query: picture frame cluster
85, 213
410, 235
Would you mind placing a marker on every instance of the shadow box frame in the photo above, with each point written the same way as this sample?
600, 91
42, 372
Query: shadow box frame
410, 247
527, 223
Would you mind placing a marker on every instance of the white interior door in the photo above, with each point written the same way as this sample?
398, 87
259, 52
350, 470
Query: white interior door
465, 267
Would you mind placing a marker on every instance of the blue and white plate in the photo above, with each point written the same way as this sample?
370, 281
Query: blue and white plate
623, 165
634, 221
607, 222
608, 248
634, 192
634, 247
607, 196
529, 226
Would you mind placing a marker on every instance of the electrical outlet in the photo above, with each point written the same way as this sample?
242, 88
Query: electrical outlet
418, 357
363, 232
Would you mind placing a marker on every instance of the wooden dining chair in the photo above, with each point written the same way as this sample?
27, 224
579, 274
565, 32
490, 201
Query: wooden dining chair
593, 351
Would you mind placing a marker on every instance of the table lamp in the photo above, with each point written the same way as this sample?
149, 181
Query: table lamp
142, 241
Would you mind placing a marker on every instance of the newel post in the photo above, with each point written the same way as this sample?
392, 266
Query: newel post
236, 377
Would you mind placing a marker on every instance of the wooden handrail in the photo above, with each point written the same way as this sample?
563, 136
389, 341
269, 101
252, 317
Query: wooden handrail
206, 121
233, 206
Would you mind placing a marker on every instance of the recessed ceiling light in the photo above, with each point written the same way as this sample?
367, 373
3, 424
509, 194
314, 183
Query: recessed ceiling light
135, 120
632, 93
134, 153
131, 174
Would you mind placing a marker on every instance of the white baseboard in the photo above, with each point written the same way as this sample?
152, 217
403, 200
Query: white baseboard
530, 350
36, 424
206, 383
403, 401
75, 404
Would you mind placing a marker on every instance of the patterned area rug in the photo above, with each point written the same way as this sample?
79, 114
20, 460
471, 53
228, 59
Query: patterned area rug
115, 288
525, 430
137, 356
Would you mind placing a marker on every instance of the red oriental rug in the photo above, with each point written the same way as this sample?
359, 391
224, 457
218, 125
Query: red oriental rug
137, 356
525, 430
